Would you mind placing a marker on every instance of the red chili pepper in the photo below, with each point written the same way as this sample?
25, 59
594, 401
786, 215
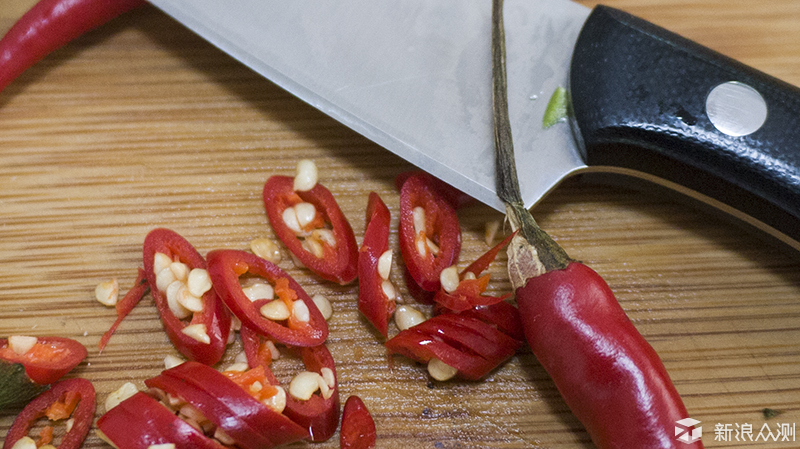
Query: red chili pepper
439, 226
454, 196
468, 344
358, 427
502, 315
469, 292
226, 266
49, 25
608, 375
214, 316
125, 305
48, 360
372, 301
250, 423
81, 392
141, 421
257, 353
337, 261
318, 414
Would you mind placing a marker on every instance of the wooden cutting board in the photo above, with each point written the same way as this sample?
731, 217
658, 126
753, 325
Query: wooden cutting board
141, 124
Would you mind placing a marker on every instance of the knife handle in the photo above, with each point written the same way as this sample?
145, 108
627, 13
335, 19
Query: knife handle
647, 100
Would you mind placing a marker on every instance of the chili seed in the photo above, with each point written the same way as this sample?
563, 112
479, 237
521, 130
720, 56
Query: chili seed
418, 213
313, 246
449, 279
388, 289
277, 402
385, 264
328, 376
164, 278
161, 261
171, 361
160, 446
301, 312
188, 300
25, 442
197, 332
306, 213
223, 437
266, 249
238, 367
324, 236
491, 231
290, 220
116, 397
323, 305
275, 310
174, 305
305, 384
406, 317
198, 282
306, 175
440, 370
21, 344
258, 291
107, 293
180, 270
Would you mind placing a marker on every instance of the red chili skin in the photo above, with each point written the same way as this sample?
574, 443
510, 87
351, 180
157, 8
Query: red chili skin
358, 427
372, 301
214, 316
339, 263
320, 416
454, 196
82, 415
502, 315
246, 420
141, 421
470, 345
49, 360
125, 305
225, 267
441, 227
49, 25
252, 347
609, 376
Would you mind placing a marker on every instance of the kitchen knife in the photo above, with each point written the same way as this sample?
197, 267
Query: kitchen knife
415, 77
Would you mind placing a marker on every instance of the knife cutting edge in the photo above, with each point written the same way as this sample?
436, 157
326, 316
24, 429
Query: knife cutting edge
414, 77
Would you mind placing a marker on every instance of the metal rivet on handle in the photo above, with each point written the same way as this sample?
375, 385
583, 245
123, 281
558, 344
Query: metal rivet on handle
736, 109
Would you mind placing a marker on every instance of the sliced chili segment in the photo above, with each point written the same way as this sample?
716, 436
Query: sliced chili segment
318, 414
358, 427
210, 321
430, 236
48, 359
125, 305
373, 301
80, 395
226, 267
319, 235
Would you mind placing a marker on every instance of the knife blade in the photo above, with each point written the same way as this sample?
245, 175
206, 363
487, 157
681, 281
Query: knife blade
415, 77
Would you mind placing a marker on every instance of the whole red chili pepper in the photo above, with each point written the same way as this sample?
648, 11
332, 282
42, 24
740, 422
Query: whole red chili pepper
373, 302
80, 390
49, 25
358, 427
326, 245
608, 375
214, 317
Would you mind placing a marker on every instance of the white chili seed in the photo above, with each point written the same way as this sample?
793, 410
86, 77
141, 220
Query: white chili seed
422, 247
117, 396
107, 293
171, 361
313, 246
306, 175
449, 279
306, 213
323, 305
324, 236
180, 270
469, 275
418, 213
177, 309
385, 264
277, 402
160, 446
188, 300
388, 289
440, 370
258, 291
304, 385
301, 312
273, 350
197, 332
275, 310
240, 357
21, 344
164, 278
491, 231
266, 249
68, 425
161, 261
328, 376
290, 220
434, 248
406, 317
223, 437
25, 442
238, 367
198, 282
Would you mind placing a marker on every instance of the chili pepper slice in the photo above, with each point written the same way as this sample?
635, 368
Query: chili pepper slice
373, 302
226, 266
337, 260
317, 414
602, 366
258, 354
48, 360
468, 344
125, 305
214, 316
502, 315
141, 421
83, 394
358, 427
50, 24
454, 196
431, 242
250, 423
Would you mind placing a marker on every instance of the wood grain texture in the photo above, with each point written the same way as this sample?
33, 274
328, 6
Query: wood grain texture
142, 124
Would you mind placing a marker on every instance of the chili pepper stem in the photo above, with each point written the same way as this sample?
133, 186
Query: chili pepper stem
532, 252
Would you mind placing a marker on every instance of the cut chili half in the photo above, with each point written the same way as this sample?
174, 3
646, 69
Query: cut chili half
470, 345
358, 427
48, 359
199, 332
471, 285
312, 226
307, 329
73, 398
319, 414
142, 421
373, 301
430, 236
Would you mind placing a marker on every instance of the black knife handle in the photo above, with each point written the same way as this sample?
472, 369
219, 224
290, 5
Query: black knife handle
639, 96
